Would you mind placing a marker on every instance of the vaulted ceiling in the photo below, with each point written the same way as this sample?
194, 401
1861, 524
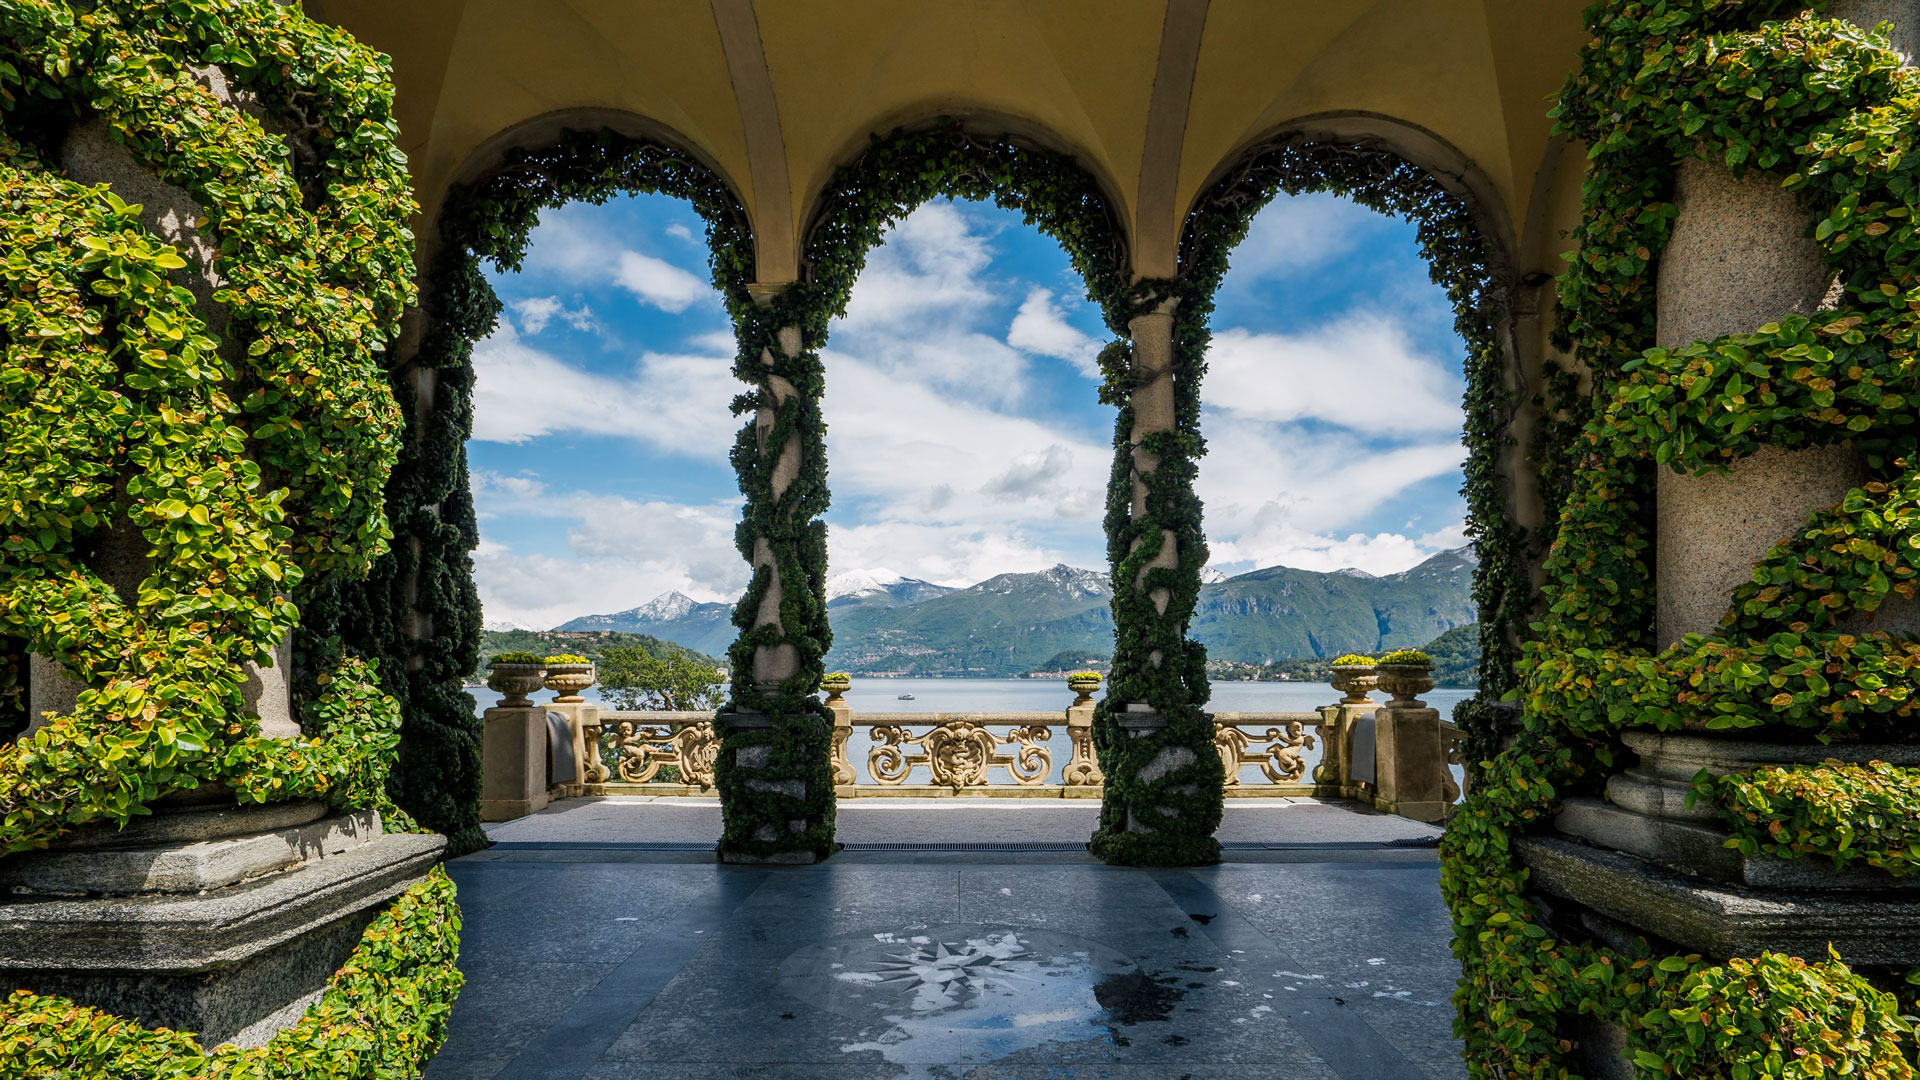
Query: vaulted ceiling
1155, 97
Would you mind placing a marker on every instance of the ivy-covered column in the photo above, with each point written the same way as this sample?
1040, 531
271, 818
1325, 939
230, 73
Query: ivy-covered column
1164, 779
774, 771
1689, 859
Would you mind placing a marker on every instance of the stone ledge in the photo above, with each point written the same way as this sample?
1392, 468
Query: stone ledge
1701, 851
1679, 757
1721, 921
186, 868
192, 824
184, 934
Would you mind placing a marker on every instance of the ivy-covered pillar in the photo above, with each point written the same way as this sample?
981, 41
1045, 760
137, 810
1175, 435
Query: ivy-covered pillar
1164, 779
1690, 858
775, 770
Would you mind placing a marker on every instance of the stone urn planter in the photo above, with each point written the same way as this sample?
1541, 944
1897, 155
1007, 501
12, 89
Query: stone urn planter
567, 676
1083, 683
836, 684
514, 680
1406, 681
1355, 682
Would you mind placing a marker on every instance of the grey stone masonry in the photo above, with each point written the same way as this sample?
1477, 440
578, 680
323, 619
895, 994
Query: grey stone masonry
194, 867
1722, 921
233, 963
1699, 849
186, 825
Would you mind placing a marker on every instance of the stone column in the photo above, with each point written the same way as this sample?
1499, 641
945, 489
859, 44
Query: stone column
844, 778
1410, 762
583, 722
776, 773
91, 155
1081, 779
1149, 756
513, 759
1641, 862
1737, 260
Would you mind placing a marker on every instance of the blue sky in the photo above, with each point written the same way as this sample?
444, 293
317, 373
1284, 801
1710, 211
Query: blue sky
964, 434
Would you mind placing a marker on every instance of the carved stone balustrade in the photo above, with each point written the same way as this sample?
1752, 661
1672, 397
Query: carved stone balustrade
1024, 754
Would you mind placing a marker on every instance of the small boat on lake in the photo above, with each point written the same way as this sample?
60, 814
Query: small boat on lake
904, 697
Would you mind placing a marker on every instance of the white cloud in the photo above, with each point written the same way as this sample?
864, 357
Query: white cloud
928, 267
944, 555
537, 311
523, 486
672, 402
1359, 371
569, 244
914, 453
685, 548
1295, 234
1032, 476
1276, 494
1282, 545
659, 283
680, 232
1041, 328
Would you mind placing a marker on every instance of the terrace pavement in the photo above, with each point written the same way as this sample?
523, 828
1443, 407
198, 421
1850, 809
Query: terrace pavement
954, 938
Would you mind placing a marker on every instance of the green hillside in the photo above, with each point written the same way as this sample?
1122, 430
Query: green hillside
1006, 625
1281, 613
1016, 623
591, 644
1456, 656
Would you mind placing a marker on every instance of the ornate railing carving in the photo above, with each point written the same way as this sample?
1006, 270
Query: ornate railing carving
1296, 753
958, 752
643, 743
1453, 739
1280, 752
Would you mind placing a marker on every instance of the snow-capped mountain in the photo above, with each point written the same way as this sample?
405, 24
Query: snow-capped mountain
883, 588
674, 617
1013, 623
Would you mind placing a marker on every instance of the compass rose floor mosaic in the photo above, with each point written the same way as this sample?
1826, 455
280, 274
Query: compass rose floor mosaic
1310, 958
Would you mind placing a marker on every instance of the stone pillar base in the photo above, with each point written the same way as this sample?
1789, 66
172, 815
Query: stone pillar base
228, 921
781, 858
1410, 758
1333, 778
513, 762
582, 718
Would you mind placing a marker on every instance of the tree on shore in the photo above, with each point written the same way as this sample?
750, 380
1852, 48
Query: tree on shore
635, 679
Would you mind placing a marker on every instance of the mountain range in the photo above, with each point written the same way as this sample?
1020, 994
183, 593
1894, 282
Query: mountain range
884, 623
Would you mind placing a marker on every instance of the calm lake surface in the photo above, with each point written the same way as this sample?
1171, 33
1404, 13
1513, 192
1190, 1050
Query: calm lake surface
1049, 695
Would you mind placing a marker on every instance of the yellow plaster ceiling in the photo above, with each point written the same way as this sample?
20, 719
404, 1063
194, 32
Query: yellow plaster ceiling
1077, 74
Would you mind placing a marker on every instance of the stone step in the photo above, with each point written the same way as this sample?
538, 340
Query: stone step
191, 823
233, 965
1700, 850
192, 866
1721, 921
191, 933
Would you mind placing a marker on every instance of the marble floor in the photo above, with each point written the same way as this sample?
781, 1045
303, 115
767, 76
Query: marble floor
1310, 952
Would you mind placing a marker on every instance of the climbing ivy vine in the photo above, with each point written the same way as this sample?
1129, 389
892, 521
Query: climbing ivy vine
1463, 263
427, 576
895, 174
1826, 107
188, 478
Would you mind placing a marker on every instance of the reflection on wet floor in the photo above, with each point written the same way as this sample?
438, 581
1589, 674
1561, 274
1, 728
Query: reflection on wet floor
952, 995
605, 963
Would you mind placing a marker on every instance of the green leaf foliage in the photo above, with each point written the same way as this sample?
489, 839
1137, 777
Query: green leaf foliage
239, 461
1827, 108
633, 678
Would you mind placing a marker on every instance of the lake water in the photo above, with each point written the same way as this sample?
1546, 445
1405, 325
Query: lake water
1051, 695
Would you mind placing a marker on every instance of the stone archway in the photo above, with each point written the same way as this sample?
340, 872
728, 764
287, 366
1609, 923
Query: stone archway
419, 610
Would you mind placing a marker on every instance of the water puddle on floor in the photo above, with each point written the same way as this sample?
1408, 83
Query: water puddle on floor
962, 995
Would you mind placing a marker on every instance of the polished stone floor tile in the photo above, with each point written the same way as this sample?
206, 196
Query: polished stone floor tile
621, 962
